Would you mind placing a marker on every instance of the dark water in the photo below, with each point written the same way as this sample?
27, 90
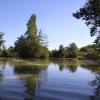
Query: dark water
49, 80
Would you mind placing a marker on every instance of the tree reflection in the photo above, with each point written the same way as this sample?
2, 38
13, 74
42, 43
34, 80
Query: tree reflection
71, 65
95, 83
30, 85
61, 67
27, 69
90, 66
71, 68
2, 67
1, 74
30, 75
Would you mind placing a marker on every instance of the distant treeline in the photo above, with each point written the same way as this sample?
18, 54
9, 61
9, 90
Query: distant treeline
65, 52
33, 44
72, 51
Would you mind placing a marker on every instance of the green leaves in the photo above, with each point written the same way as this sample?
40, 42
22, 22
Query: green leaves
1, 39
90, 13
32, 44
70, 51
31, 27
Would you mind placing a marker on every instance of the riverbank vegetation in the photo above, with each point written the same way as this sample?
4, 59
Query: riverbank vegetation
72, 51
26, 47
33, 43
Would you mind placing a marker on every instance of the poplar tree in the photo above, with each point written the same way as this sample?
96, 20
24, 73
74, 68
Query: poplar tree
32, 27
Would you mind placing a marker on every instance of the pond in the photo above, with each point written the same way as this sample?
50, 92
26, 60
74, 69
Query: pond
49, 80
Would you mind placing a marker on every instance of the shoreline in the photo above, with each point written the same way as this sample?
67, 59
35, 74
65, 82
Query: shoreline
89, 61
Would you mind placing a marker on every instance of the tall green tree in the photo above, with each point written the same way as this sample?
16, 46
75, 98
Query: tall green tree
32, 27
1, 42
90, 13
32, 44
1, 39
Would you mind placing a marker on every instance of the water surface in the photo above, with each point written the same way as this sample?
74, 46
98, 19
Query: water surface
49, 80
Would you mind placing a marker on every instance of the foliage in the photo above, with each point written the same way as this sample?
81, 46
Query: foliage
65, 52
73, 50
1, 39
91, 51
32, 44
62, 52
31, 27
95, 83
11, 52
90, 12
4, 52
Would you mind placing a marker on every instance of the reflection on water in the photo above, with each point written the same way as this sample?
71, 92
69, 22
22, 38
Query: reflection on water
49, 80
95, 83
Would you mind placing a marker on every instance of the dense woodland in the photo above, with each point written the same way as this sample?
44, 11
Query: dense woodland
33, 43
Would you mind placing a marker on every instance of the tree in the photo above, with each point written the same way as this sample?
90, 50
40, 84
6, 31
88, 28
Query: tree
4, 52
1, 42
73, 50
31, 27
11, 52
70, 51
61, 51
95, 83
1, 39
26, 48
90, 51
54, 54
41, 38
32, 44
21, 47
90, 13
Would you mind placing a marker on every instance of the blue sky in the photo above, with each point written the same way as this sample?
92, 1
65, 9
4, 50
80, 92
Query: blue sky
53, 16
